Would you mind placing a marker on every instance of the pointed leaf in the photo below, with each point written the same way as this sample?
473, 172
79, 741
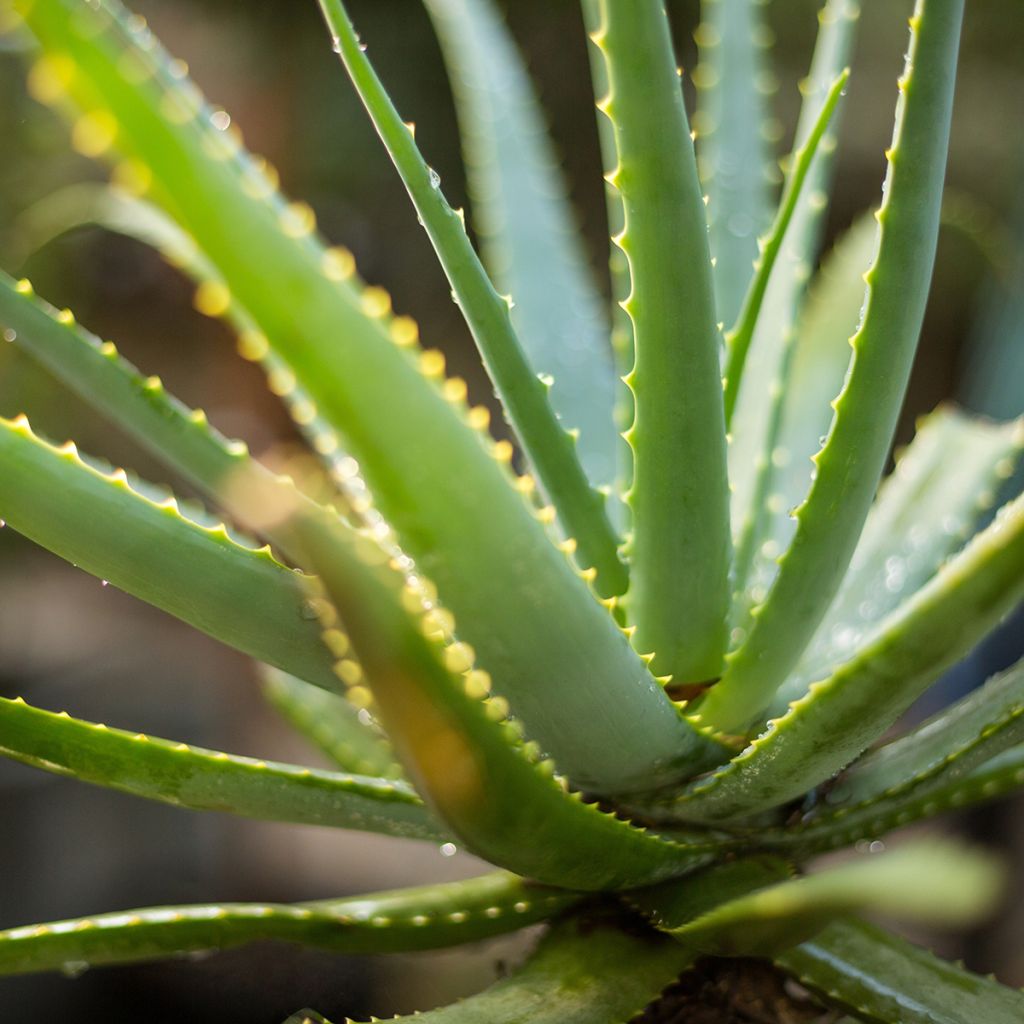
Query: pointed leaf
753, 908
850, 464
527, 227
403, 920
202, 575
943, 484
842, 715
463, 753
208, 780
680, 549
524, 396
419, 449
884, 979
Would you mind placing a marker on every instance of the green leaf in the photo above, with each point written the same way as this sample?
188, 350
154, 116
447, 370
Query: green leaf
924, 766
882, 978
181, 437
585, 971
943, 484
524, 396
739, 338
462, 751
733, 81
618, 267
403, 920
680, 548
420, 451
238, 594
208, 780
331, 723
851, 462
751, 908
842, 715
527, 227
774, 347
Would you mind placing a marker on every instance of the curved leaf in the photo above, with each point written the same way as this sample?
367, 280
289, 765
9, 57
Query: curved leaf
208, 780
851, 462
420, 451
404, 920
842, 715
462, 752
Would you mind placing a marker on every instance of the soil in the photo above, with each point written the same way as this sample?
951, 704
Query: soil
735, 992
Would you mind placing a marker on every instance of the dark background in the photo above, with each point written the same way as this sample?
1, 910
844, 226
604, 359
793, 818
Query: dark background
67, 849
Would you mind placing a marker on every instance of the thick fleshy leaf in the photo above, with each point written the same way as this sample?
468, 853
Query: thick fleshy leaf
751, 908
524, 396
943, 484
774, 353
585, 971
884, 979
201, 574
527, 228
851, 462
209, 780
840, 716
403, 920
680, 548
733, 78
463, 753
419, 449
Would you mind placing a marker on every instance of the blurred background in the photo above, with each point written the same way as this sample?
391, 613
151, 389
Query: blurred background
67, 643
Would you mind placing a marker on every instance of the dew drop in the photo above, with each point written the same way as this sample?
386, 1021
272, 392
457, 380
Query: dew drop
221, 120
73, 968
308, 610
448, 849
336, 44
104, 583
435, 178
10, 334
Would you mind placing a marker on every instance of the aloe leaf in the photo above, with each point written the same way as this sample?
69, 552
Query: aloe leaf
328, 720
752, 427
885, 979
403, 920
524, 396
740, 336
850, 464
420, 451
816, 363
943, 483
114, 209
618, 267
841, 715
584, 971
181, 437
948, 745
202, 575
527, 228
208, 780
680, 548
733, 80
464, 754
780, 912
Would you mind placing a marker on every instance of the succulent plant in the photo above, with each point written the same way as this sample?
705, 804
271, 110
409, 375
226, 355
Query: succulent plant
649, 681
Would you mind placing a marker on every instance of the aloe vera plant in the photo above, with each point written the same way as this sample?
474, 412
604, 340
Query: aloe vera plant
648, 681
